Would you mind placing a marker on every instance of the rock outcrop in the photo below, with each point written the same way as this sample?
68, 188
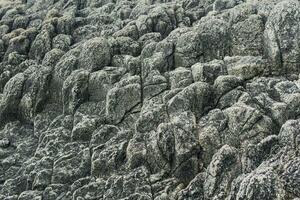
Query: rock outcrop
150, 100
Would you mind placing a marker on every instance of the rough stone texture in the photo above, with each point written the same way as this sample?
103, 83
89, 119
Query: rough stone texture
74, 90
282, 37
150, 100
95, 54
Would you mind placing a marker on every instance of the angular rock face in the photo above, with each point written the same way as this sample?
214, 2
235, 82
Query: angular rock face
95, 54
150, 100
282, 36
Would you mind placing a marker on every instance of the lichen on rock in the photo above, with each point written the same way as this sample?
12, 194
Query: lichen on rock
150, 100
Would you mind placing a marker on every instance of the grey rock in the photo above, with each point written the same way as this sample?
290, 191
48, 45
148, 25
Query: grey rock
122, 100
15, 58
65, 24
83, 130
187, 54
18, 44
54, 191
208, 72
42, 179
132, 185
106, 160
99, 85
252, 118
95, 54
195, 98
281, 46
289, 135
290, 177
62, 42
73, 165
152, 114
4, 29
262, 182
52, 57
209, 139
66, 65
220, 5
248, 36
246, 67
40, 46
20, 22
128, 63
224, 84
150, 37
152, 99
14, 186
11, 97
195, 188
90, 190
75, 90
180, 78
30, 195
125, 46
35, 92
225, 163
255, 154
154, 84
207, 43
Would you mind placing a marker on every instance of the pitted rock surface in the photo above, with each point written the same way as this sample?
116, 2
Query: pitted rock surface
150, 100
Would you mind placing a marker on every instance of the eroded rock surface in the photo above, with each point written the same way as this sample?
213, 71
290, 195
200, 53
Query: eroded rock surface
150, 100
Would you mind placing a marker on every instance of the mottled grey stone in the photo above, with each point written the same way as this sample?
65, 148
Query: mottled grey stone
75, 90
40, 46
122, 100
208, 72
62, 42
149, 100
281, 45
223, 168
71, 166
95, 54
246, 67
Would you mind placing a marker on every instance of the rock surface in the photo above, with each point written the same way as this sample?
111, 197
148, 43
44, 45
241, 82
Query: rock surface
150, 100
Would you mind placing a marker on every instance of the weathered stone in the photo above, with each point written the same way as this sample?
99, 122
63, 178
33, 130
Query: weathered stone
181, 78
208, 72
220, 5
95, 54
289, 135
18, 44
225, 163
290, 177
35, 92
195, 98
99, 85
34, 195
122, 100
75, 90
83, 130
153, 85
108, 160
149, 100
282, 45
262, 182
246, 67
72, 166
40, 46
52, 57
62, 42
11, 97
248, 37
